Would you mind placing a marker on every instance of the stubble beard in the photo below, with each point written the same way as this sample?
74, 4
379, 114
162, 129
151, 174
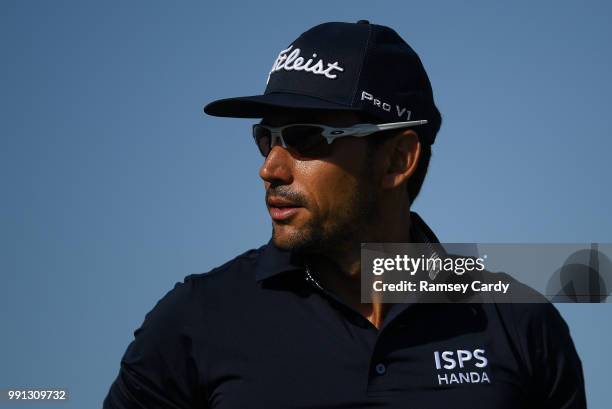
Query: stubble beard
348, 229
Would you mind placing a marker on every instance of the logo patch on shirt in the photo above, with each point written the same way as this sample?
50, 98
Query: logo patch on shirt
461, 366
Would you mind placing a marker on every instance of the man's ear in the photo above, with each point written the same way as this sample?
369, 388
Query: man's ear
404, 151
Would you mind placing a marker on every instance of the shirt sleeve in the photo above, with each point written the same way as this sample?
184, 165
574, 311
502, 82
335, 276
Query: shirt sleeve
557, 377
158, 369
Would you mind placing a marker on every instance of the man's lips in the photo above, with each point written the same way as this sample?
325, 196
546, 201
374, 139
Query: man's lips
281, 209
282, 213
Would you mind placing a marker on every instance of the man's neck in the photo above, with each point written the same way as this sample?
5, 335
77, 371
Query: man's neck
340, 271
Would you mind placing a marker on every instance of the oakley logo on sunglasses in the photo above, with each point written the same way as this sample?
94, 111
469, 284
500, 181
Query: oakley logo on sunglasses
293, 62
401, 111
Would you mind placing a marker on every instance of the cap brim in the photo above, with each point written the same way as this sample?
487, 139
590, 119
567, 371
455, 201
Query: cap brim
258, 106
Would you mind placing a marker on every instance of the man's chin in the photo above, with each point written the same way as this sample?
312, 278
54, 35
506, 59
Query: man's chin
287, 237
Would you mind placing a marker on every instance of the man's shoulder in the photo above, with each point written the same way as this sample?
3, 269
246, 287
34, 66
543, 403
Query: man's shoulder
219, 286
525, 313
240, 268
522, 304
529, 317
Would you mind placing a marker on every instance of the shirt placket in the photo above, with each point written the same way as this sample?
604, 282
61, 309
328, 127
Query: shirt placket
377, 361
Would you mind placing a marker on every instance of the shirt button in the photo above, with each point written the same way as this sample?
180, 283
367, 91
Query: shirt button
381, 369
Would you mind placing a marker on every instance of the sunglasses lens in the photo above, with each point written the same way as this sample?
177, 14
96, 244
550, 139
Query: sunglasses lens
306, 140
263, 139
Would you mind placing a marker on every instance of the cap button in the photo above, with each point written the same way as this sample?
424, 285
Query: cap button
363, 22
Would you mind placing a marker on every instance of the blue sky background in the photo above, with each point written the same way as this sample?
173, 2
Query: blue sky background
115, 185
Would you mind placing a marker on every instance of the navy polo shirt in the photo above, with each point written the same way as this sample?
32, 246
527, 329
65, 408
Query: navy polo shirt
258, 332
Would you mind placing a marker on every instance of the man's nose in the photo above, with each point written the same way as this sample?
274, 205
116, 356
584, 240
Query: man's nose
278, 166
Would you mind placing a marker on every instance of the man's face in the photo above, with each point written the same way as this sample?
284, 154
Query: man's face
319, 204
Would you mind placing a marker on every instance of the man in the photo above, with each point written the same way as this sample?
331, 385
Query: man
348, 120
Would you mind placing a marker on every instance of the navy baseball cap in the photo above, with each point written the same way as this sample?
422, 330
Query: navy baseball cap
359, 67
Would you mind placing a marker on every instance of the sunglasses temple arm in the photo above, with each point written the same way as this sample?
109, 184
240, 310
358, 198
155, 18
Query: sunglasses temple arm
396, 125
367, 129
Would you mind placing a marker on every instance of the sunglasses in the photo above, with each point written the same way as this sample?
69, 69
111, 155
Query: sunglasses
314, 140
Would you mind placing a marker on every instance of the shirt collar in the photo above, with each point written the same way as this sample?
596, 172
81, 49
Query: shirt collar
273, 260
